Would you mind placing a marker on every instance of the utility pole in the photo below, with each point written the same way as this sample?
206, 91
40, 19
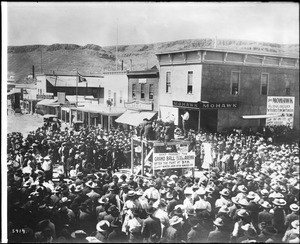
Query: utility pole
117, 49
41, 61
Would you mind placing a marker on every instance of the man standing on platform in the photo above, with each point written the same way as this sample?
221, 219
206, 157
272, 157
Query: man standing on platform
185, 118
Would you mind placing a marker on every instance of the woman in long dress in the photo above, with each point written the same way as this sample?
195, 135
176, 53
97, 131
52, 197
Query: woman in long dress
208, 159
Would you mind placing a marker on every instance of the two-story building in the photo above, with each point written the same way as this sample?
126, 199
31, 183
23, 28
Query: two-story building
142, 96
229, 88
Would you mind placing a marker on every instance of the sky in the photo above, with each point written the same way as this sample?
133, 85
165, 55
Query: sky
125, 23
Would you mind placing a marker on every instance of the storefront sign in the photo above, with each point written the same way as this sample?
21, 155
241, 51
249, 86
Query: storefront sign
43, 96
225, 105
139, 105
93, 115
181, 104
173, 160
284, 106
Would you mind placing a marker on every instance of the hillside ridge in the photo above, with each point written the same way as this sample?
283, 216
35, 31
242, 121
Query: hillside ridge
94, 59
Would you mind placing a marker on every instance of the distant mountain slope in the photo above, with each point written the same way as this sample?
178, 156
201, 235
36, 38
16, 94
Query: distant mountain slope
93, 59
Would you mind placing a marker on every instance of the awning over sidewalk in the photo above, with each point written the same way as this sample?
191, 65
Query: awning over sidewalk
134, 118
48, 102
100, 109
14, 91
260, 116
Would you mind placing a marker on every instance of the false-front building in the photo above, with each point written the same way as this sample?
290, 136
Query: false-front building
222, 89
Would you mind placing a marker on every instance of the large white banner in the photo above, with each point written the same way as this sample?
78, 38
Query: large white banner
283, 106
173, 160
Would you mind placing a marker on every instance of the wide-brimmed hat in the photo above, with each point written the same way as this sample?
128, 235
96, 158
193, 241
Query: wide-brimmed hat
266, 204
295, 224
171, 184
242, 213
209, 189
131, 193
264, 192
242, 188
103, 225
92, 185
169, 195
294, 207
79, 234
251, 195
279, 202
195, 186
249, 177
175, 220
47, 158
243, 202
224, 209
219, 222
177, 211
103, 200
225, 192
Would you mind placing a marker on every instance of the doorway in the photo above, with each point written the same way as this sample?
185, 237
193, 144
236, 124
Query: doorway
209, 120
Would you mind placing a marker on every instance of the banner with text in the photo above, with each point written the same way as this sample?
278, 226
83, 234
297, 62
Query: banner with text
173, 160
283, 106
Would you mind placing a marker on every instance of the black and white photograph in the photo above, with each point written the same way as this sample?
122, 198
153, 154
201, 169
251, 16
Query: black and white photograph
150, 122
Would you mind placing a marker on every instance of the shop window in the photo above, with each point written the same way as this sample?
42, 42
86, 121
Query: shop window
133, 91
235, 83
168, 82
142, 91
190, 83
151, 91
264, 84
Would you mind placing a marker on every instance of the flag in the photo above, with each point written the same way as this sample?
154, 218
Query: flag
81, 78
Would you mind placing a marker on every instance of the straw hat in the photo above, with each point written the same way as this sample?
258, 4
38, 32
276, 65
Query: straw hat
243, 202
131, 193
279, 202
79, 234
266, 204
103, 225
225, 192
219, 222
294, 207
242, 188
224, 209
242, 213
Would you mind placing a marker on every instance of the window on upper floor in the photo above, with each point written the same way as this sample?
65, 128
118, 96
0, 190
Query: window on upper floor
235, 83
151, 91
190, 83
133, 91
121, 96
264, 84
143, 91
168, 82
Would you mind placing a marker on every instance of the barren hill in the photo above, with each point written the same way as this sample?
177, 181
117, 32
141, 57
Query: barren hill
93, 59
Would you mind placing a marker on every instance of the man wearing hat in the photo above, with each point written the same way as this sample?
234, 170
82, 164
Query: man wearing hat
116, 235
294, 215
151, 230
103, 230
268, 235
173, 233
265, 216
223, 200
292, 235
134, 226
48, 168
219, 235
279, 215
202, 204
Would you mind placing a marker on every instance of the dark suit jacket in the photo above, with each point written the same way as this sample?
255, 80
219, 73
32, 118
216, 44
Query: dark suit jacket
151, 228
218, 236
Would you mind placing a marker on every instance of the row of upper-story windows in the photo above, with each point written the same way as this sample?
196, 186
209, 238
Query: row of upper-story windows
143, 91
234, 83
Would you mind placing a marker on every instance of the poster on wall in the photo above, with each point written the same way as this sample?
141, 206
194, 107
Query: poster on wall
169, 113
283, 106
173, 160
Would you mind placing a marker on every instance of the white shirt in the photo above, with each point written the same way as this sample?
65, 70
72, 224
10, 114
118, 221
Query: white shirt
186, 116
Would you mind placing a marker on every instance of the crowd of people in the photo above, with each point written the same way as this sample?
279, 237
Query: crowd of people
247, 190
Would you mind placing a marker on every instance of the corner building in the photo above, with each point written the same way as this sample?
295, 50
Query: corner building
222, 89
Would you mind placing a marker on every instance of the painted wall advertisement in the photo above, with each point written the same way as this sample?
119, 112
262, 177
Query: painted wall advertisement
283, 106
173, 160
